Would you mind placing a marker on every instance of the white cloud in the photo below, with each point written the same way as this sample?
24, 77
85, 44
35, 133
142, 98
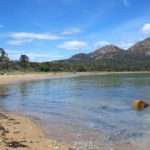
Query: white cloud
1, 26
126, 45
101, 44
146, 28
73, 45
17, 38
71, 31
18, 42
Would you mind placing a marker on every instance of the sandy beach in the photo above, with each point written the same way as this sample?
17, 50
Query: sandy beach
14, 78
19, 132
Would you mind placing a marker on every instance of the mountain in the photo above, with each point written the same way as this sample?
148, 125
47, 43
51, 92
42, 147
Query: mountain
107, 58
141, 48
106, 52
109, 52
110, 58
80, 57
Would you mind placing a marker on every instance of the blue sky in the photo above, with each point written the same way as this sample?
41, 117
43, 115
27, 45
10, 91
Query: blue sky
56, 29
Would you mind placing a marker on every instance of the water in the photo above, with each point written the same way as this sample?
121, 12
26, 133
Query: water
96, 108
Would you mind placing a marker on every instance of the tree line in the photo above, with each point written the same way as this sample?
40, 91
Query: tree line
23, 64
8, 65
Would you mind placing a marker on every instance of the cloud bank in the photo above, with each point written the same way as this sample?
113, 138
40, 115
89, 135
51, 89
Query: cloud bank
99, 44
71, 31
17, 38
73, 45
146, 28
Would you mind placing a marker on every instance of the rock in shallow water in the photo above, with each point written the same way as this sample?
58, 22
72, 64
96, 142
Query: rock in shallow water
139, 105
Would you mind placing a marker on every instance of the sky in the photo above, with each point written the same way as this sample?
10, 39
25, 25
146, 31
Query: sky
48, 30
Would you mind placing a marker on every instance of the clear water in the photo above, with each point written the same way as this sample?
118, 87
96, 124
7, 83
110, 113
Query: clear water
94, 108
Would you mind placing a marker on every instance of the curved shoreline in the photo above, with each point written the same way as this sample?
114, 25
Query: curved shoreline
23, 132
24, 77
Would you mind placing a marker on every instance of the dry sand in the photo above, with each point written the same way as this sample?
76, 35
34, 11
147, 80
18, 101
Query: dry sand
13, 78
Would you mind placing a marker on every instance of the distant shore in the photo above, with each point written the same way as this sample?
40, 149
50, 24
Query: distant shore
22, 77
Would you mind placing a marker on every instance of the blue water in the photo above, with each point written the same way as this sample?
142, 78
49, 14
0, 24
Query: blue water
86, 107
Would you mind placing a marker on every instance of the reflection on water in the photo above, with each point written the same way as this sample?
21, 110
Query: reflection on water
3, 91
90, 107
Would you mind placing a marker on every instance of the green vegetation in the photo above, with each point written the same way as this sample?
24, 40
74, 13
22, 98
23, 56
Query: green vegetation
24, 62
4, 60
117, 63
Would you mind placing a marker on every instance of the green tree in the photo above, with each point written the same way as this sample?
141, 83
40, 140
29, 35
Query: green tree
4, 60
2, 53
24, 61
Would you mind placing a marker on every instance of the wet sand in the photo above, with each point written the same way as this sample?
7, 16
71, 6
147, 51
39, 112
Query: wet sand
19, 132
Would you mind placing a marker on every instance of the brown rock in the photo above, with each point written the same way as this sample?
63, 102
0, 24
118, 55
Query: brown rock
139, 105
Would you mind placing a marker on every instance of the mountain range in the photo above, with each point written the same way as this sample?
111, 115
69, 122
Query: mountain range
110, 58
139, 50
107, 58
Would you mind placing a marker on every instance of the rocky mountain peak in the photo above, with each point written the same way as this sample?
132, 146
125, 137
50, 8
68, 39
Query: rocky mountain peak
142, 47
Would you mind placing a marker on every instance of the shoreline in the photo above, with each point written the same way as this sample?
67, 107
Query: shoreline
15, 128
20, 132
25, 77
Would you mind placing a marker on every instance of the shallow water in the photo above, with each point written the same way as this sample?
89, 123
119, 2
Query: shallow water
88, 108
